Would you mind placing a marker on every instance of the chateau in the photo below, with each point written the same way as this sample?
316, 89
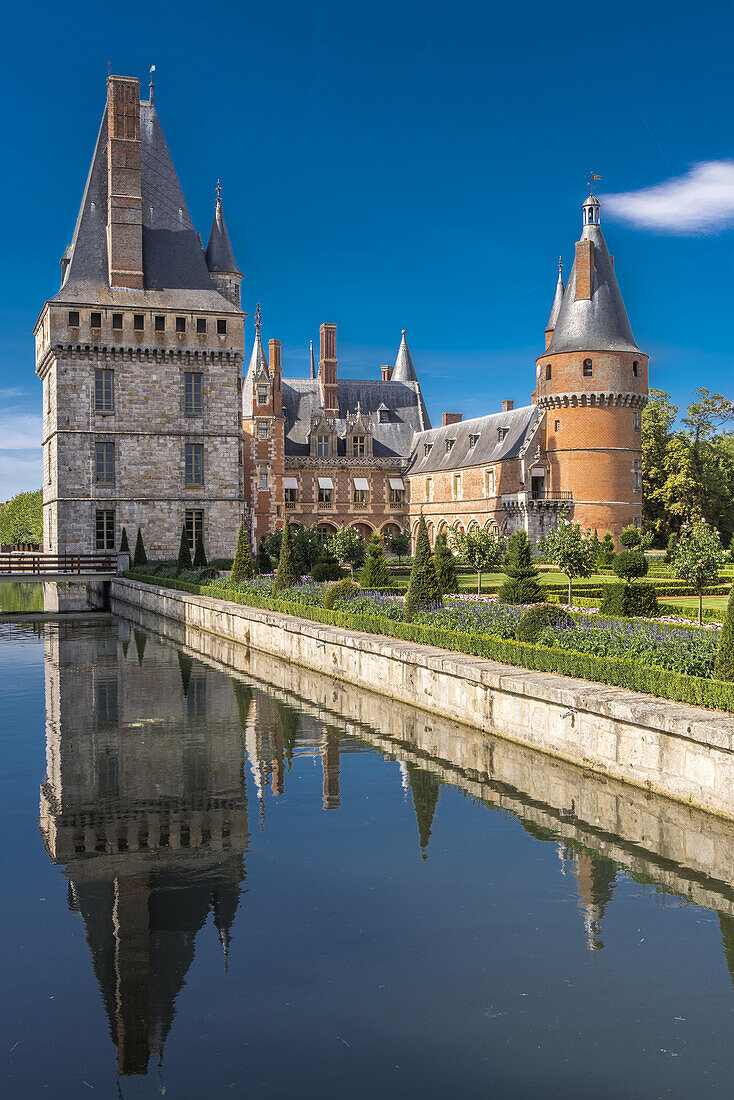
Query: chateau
148, 421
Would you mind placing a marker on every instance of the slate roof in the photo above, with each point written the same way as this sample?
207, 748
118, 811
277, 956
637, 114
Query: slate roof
404, 371
174, 267
219, 254
557, 301
488, 449
257, 360
599, 323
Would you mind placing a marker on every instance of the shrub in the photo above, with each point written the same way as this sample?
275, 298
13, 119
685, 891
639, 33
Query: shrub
724, 665
124, 544
522, 585
630, 564
140, 557
605, 557
631, 537
375, 573
569, 549
672, 544
287, 574
423, 585
242, 566
263, 562
636, 598
199, 555
327, 568
398, 544
184, 551
537, 618
342, 590
445, 565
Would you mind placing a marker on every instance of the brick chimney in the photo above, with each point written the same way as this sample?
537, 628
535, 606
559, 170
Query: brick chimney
275, 374
327, 368
386, 372
508, 406
584, 269
451, 418
124, 198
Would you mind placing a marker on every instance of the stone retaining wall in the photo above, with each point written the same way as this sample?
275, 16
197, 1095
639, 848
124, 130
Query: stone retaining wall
680, 751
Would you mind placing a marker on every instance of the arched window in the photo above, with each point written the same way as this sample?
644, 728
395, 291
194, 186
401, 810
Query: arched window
588, 368
548, 372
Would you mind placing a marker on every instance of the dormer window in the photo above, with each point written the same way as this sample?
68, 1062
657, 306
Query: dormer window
473, 440
359, 445
449, 444
384, 416
262, 395
427, 447
501, 434
322, 446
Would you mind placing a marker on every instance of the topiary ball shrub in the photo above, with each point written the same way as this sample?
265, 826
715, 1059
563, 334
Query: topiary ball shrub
537, 618
342, 590
630, 564
638, 598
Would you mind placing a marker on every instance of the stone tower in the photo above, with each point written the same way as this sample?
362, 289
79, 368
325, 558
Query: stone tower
592, 384
140, 354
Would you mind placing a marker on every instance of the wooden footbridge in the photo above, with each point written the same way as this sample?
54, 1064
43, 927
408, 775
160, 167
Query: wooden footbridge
20, 566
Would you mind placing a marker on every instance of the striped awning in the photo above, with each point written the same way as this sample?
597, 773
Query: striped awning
290, 482
361, 483
325, 483
396, 483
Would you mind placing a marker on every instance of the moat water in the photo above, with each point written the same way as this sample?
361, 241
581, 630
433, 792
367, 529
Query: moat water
219, 883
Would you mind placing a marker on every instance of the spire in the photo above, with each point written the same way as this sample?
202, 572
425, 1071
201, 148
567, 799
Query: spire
404, 371
592, 316
219, 254
311, 363
257, 359
557, 299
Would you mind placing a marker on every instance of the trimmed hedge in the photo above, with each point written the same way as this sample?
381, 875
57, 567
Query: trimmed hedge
649, 680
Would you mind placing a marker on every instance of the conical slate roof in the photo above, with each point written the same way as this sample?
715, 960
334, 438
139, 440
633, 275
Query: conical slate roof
257, 361
219, 254
598, 323
404, 371
557, 301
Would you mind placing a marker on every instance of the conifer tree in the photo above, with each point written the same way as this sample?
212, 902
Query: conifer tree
445, 565
124, 544
287, 574
724, 665
375, 573
423, 585
264, 563
327, 568
199, 554
140, 557
242, 567
184, 551
605, 557
522, 584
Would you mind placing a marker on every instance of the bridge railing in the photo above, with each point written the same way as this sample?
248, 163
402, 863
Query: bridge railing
40, 565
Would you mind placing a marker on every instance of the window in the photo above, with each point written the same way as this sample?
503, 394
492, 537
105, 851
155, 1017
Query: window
397, 496
105, 688
637, 420
194, 524
489, 483
48, 474
73, 318
324, 531
262, 395
501, 434
325, 496
384, 416
457, 486
192, 393
117, 320
201, 324
291, 495
47, 388
221, 327
634, 369
138, 322
160, 324
548, 372
429, 489
637, 476
636, 521
360, 497
105, 529
449, 444
427, 449
194, 465
558, 426
104, 392
359, 445
104, 463
322, 446
262, 477
262, 429
473, 440
180, 324
588, 368
95, 320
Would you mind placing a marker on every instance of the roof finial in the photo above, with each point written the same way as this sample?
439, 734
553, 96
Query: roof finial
219, 192
258, 319
592, 178
150, 86
560, 265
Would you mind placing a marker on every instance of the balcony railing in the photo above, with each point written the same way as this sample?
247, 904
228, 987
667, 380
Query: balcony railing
536, 496
325, 505
290, 505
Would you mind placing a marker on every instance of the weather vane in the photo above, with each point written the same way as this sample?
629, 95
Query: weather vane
258, 317
591, 180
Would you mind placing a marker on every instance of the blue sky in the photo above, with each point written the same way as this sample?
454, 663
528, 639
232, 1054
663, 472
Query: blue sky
391, 166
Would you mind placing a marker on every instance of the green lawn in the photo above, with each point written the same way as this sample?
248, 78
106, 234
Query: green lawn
468, 581
719, 602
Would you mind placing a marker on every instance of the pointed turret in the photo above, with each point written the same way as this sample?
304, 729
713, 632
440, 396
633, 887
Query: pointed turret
258, 367
312, 364
220, 260
404, 371
557, 303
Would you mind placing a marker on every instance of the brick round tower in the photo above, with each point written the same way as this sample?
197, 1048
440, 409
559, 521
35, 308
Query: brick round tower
592, 386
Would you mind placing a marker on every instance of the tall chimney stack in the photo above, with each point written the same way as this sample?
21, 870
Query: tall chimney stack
124, 196
584, 269
327, 368
508, 406
451, 418
275, 374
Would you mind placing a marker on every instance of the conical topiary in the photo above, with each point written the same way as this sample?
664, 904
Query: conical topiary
375, 573
199, 554
287, 574
264, 563
327, 568
140, 557
242, 567
724, 664
605, 557
522, 584
445, 565
124, 544
423, 585
184, 551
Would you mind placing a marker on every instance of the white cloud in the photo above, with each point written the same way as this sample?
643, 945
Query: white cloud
702, 201
20, 431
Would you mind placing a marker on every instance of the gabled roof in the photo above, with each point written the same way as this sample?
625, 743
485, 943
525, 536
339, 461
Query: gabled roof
492, 445
219, 254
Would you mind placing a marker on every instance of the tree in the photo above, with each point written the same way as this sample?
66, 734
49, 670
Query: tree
306, 547
264, 563
631, 537
375, 573
724, 664
605, 557
242, 567
481, 549
658, 419
697, 559
184, 551
398, 544
569, 549
199, 553
595, 542
630, 564
522, 585
124, 544
140, 557
21, 519
287, 573
347, 546
423, 585
445, 564
327, 568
